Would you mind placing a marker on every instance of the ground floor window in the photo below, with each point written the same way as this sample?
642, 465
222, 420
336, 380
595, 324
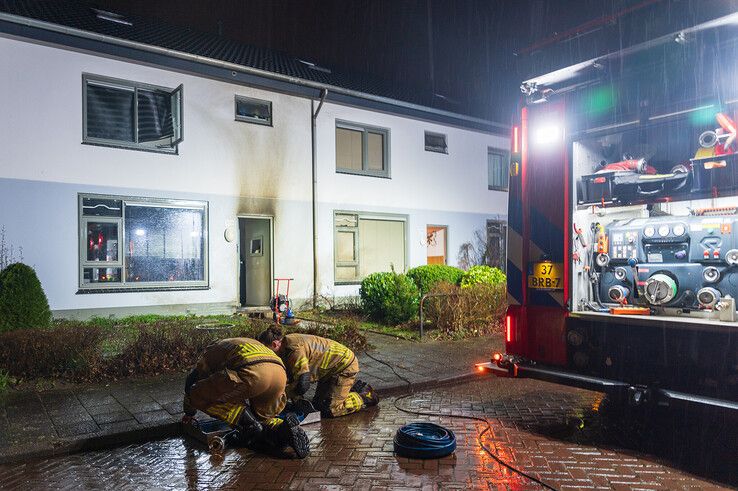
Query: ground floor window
366, 244
497, 244
130, 242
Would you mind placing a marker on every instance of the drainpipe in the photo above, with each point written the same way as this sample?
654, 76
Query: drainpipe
313, 118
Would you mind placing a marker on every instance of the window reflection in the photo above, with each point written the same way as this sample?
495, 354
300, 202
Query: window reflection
102, 241
164, 244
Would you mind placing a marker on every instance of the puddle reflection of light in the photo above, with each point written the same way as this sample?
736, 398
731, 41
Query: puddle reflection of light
597, 402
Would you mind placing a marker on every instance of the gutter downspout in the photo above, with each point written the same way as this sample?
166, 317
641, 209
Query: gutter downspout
313, 119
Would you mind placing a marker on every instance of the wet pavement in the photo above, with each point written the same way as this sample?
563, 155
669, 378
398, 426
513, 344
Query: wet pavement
553, 433
61, 421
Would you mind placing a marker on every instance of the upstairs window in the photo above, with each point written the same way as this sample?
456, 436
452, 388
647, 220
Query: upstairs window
253, 110
498, 169
435, 142
131, 115
362, 150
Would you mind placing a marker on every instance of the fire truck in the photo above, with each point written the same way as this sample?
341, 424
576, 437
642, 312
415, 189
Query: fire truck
622, 246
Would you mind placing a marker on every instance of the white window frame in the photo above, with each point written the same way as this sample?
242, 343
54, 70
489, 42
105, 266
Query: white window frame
365, 130
357, 262
505, 159
177, 95
120, 263
246, 119
435, 149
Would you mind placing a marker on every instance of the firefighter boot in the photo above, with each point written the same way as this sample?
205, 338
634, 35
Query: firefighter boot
290, 434
247, 430
358, 386
368, 396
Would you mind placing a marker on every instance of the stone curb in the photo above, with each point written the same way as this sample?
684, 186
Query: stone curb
67, 446
169, 429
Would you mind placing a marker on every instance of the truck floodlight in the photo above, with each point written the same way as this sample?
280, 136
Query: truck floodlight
547, 134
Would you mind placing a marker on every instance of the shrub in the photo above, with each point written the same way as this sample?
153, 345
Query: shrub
160, 348
390, 298
23, 302
346, 332
483, 275
472, 311
426, 277
105, 349
5, 380
67, 352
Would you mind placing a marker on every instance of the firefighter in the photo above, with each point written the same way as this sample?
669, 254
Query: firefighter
311, 358
242, 382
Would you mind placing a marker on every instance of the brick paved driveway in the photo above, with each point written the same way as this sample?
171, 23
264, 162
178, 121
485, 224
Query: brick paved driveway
548, 431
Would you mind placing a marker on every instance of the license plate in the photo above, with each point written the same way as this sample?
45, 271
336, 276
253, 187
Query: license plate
546, 276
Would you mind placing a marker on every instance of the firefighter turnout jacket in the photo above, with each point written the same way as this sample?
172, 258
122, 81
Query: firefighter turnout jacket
329, 363
232, 371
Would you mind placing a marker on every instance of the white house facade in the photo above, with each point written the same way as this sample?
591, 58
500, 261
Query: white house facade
139, 180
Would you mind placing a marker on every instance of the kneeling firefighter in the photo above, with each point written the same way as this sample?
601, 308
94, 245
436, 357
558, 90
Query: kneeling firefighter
242, 382
311, 358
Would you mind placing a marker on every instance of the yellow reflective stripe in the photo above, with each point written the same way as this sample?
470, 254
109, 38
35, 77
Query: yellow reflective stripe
301, 363
335, 350
230, 413
273, 422
249, 351
353, 402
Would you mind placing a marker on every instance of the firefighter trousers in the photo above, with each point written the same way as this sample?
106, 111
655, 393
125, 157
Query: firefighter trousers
224, 394
333, 393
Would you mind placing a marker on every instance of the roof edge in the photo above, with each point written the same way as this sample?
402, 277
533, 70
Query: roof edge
65, 35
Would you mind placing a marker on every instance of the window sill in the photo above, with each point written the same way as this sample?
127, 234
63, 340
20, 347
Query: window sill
259, 122
495, 188
172, 151
347, 283
88, 291
364, 174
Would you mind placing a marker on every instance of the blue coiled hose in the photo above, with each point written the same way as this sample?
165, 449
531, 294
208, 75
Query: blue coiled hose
424, 441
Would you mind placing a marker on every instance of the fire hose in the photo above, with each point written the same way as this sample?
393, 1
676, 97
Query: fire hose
435, 439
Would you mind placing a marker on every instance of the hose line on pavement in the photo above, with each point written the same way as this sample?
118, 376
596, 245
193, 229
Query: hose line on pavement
481, 419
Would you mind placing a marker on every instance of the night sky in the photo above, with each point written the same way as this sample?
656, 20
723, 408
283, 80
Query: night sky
472, 54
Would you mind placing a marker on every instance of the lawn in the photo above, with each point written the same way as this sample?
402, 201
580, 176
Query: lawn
409, 330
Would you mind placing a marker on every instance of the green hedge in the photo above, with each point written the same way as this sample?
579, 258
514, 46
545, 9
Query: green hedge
23, 303
426, 277
483, 275
389, 298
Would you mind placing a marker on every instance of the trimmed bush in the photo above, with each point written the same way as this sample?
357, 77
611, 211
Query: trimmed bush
426, 277
483, 275
67, 352
23, 303
475, 310
389, 298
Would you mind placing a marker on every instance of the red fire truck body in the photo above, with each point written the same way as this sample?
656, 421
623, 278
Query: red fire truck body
623, 231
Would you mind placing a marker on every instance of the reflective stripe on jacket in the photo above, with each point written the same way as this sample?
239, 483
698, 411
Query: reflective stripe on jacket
321, 357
